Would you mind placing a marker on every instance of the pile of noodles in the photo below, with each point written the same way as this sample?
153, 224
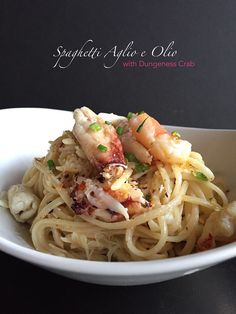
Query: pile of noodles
181, 204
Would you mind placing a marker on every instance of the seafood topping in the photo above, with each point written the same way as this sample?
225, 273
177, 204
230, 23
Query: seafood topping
80, 202
131, 145
88, 195
23, 203
220, 225
99, 140
91, 197
161, 145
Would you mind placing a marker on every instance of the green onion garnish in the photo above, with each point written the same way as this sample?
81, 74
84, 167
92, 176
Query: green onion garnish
102, 148
175, 134
140, 112
51, 164
131, 157
120, 130
200, 176
130, 115
141, 125
141, 167
108, 122
95, 127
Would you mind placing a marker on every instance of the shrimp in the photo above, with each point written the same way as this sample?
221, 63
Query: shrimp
129, 142
161, 145
131, 145
98, 140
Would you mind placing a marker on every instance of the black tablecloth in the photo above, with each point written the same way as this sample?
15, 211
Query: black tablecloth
201, 94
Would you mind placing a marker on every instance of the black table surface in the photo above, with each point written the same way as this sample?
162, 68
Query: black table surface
204, 95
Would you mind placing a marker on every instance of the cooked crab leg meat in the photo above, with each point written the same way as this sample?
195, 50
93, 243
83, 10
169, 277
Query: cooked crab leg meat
98, 140
23, 203
219, 225
90, 197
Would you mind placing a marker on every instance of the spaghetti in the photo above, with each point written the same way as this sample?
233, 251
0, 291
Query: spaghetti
103, 203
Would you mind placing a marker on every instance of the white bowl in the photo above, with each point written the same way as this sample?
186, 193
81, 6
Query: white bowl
25, 133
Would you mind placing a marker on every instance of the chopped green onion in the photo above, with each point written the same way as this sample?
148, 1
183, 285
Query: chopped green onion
200, 176
131, 157
175, 134
120, 130
141, 125
130, 115
102, 148
148, 197
141, 167
140, 112
108, 122
95, 127
51, 164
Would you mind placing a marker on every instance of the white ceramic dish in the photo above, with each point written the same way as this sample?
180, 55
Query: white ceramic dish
24, 134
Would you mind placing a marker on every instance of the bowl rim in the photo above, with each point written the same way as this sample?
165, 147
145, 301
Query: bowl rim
70, 112
161, 266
